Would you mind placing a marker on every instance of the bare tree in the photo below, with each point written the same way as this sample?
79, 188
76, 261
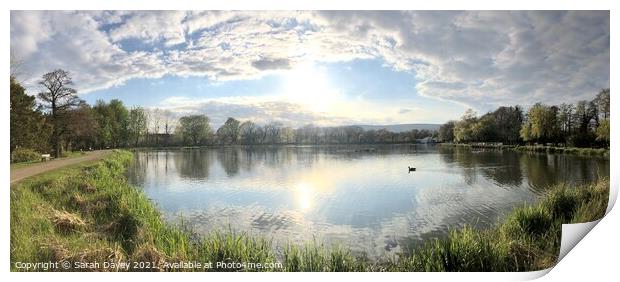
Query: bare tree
58, 96
16, 66
170, 122
137, 125
272, 132
155, 120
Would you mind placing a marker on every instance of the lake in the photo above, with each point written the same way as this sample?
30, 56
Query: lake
360, 197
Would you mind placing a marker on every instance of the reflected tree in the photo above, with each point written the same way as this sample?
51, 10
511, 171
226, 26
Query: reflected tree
193, 164
229, 159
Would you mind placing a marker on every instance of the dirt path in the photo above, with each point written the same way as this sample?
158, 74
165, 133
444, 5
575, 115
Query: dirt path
21, 173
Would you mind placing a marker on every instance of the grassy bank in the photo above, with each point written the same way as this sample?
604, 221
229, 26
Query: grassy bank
91, 214
527, 239
537, 149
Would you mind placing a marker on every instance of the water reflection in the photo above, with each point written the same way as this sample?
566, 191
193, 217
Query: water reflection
362, 198
191, 164
510, 168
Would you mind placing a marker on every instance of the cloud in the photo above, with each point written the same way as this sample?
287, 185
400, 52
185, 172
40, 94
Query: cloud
272, 64
151, 27
259, 110
478, 58
404, 111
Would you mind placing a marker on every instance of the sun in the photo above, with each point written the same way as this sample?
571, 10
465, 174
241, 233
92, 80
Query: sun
309, 85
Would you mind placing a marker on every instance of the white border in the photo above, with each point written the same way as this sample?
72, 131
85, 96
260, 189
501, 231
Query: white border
596, 256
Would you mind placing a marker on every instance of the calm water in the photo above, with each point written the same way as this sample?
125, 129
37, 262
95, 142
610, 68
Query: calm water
365, 200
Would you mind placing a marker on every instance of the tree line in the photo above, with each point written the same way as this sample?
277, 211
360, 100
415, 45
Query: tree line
60, 121
584, 124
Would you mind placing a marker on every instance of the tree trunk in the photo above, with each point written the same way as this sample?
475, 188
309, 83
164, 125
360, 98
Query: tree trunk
58, 148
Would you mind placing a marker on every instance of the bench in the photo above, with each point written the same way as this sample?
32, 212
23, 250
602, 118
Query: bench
45, 157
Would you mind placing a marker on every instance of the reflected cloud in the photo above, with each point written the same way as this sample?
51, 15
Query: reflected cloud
366, 200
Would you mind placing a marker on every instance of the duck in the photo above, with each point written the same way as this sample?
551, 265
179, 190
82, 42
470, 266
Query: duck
411, 169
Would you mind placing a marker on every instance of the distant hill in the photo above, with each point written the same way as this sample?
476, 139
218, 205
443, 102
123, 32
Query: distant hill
402, 127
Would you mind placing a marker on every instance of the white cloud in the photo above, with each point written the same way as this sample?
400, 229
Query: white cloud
261, 110
265, 109
152, 27
481, 59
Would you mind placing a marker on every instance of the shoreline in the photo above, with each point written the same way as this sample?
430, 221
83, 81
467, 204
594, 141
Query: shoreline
91, 214
273, 146
480, 145
533, 148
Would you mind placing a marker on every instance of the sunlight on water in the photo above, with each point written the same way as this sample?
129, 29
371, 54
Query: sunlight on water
367, 201
304, 194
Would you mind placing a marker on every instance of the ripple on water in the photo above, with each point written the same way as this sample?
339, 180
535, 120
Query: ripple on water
367, 201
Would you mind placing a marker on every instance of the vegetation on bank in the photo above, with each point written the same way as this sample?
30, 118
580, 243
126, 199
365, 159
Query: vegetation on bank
90, 213
537, 149
21, 155
584, 124
527, 239
35, 158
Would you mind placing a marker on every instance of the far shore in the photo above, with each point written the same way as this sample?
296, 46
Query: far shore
534, 148
476, 145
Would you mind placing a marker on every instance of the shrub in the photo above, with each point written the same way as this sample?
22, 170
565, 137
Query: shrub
25, 155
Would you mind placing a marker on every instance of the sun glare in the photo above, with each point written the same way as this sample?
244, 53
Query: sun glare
304, 194
309, 85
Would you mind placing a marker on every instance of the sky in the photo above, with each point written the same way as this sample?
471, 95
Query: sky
319, 67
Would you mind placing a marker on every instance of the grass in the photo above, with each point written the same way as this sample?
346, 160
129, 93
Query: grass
89, 213
66, 155
539, 149
527, 239
564, 150
23, 164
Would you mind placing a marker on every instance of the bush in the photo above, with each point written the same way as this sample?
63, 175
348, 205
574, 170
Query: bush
25, 155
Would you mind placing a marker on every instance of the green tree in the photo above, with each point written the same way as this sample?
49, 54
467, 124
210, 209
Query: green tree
566, 120
484, 129
508, 122
104, 131
602, 101
463, 131
541, 124
446, 131
602, 132
119, 121
136, 125
585, 124
287, 135
248, 132
28, 126
83, 128
194, 128
58, 97
526, 131
228, 133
